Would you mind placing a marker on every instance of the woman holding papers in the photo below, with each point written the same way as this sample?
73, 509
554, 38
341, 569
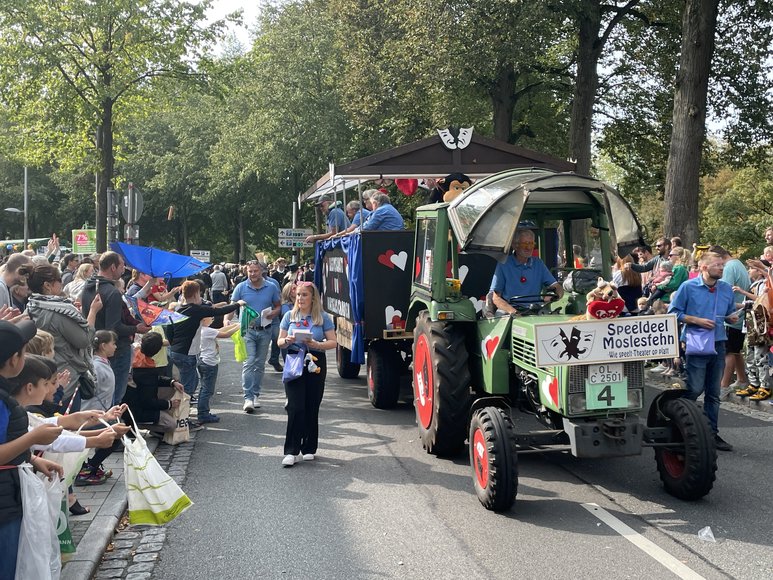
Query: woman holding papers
308, 325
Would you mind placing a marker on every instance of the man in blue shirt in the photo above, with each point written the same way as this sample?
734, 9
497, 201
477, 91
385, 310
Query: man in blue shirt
706, 302
259, 295
522, 275
384, 215
336, 220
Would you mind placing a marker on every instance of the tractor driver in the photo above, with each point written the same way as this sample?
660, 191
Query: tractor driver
522, 274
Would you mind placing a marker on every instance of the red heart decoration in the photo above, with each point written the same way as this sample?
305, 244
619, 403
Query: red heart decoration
600, 309
384, 259
553, 391
397, 322
491, 346
416, 269
407, 186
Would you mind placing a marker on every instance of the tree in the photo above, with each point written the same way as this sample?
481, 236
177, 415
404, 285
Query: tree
689, 120
68, 67
595, 22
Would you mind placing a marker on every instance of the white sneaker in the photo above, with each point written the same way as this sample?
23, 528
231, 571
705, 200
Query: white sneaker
288, 461
256, 402
659, 369
308, 457
737, 385
248, 407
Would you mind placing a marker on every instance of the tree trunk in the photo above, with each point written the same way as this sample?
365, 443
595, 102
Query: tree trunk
585, 86
106, 165
503, 101
684, 157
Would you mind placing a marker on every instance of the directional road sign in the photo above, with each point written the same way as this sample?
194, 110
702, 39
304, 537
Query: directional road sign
295, 232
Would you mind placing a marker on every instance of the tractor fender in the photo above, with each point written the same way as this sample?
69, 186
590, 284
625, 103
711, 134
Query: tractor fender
499, 402
657, 403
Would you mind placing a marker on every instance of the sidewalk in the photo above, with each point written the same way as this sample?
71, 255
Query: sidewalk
659, 381
94, 532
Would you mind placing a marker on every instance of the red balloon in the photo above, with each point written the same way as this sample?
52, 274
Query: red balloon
407, 186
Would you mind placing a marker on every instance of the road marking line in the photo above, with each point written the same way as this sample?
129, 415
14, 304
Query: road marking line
645, 545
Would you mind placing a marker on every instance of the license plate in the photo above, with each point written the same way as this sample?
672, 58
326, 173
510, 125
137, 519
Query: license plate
606, 387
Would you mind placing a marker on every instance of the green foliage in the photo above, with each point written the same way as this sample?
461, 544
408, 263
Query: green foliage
738, 207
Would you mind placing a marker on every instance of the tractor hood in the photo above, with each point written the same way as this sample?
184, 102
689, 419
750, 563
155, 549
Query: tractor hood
484, 218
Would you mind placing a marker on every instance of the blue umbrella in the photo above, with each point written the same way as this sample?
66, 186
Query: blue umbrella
158, 263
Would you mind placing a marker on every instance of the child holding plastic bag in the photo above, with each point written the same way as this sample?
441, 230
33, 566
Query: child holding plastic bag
15, 442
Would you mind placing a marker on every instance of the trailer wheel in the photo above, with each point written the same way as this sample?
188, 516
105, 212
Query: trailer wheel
441, 385
688, 469
493, 458
384, 365
346, 368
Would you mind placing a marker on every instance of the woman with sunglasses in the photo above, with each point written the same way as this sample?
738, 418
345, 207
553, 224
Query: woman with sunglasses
304, 394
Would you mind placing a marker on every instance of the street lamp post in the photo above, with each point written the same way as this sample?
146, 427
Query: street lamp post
23, 211
26, 212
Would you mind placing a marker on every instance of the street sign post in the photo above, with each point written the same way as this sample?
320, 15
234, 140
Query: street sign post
293, 237
202, 255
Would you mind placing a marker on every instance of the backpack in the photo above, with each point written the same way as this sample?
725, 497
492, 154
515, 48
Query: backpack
758, 326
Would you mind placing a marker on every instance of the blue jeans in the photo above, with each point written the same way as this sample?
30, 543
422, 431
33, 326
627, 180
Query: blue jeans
257, 342
703, 376
208, 378
121, 363
186, 364
9, 546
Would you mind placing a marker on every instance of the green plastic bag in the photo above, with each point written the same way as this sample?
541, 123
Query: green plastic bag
66, 544
240, 347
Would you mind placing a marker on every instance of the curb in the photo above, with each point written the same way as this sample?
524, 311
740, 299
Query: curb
660, 382
88, 553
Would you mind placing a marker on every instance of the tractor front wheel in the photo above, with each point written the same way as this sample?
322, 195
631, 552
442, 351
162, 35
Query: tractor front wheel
493, 458
441, 385
688, 469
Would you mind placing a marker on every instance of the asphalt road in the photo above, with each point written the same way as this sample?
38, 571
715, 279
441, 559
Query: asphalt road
375, 505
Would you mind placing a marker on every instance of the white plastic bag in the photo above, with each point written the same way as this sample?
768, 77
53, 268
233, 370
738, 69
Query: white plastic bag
38, 556
154, 497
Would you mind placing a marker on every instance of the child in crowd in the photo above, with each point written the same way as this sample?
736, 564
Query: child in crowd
208, 361
757, 346
663, 277
142, 398
644, 306
104, 345
15, 441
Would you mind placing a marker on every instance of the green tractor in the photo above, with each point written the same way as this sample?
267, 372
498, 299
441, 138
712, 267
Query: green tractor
473, 367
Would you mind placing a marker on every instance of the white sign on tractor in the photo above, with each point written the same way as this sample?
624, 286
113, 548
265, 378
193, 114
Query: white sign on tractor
614, 340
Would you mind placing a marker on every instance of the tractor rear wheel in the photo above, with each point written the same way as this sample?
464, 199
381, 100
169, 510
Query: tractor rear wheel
384, 364
441, 385
688, 469
346, 368
493, 458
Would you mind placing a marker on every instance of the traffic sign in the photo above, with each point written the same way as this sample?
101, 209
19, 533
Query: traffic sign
293, 243
295, 232
202, 255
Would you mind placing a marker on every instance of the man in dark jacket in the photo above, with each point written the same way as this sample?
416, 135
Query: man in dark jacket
114, 316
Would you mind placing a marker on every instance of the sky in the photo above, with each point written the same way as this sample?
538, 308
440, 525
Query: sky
249, 15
